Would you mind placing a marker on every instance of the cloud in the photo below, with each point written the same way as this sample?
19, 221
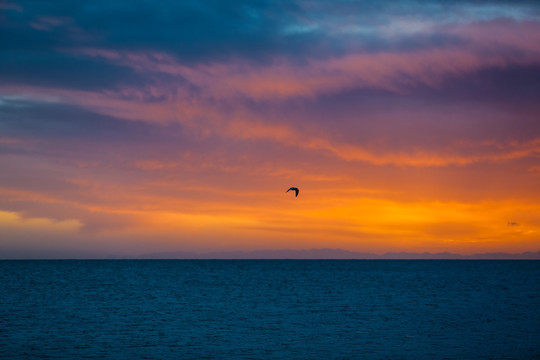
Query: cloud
281, 78
54, 69
195, 32
65, 121
58, 120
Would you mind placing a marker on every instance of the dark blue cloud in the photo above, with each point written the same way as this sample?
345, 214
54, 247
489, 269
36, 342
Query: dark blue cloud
40, 43
189, 29
518, 84
53, 69
54, 123
203, 30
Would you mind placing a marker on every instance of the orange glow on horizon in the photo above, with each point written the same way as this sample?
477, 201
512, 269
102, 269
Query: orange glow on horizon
313, 220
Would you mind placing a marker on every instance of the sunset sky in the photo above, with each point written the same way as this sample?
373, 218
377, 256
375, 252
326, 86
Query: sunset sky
129, 127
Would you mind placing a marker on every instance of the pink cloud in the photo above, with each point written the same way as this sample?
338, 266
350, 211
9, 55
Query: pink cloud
498, 43
217, 108
10, 141
48, 23
6, 5
242, 124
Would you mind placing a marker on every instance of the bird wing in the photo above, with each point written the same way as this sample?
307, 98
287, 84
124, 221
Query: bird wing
294, 189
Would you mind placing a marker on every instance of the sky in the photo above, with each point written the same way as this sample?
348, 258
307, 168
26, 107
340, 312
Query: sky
131, 127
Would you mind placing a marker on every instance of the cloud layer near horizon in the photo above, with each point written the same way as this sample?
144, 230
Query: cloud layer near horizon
407, 125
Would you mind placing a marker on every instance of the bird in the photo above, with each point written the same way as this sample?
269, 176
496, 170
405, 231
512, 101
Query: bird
295, 189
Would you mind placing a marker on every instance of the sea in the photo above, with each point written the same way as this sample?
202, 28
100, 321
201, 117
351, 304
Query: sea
270, 309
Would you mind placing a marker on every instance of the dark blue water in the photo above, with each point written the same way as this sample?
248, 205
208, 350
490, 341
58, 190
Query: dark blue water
273, 309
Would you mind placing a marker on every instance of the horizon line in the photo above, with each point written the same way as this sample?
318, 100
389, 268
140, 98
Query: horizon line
291, 254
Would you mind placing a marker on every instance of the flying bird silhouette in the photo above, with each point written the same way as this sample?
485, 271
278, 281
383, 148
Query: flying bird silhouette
294, 189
